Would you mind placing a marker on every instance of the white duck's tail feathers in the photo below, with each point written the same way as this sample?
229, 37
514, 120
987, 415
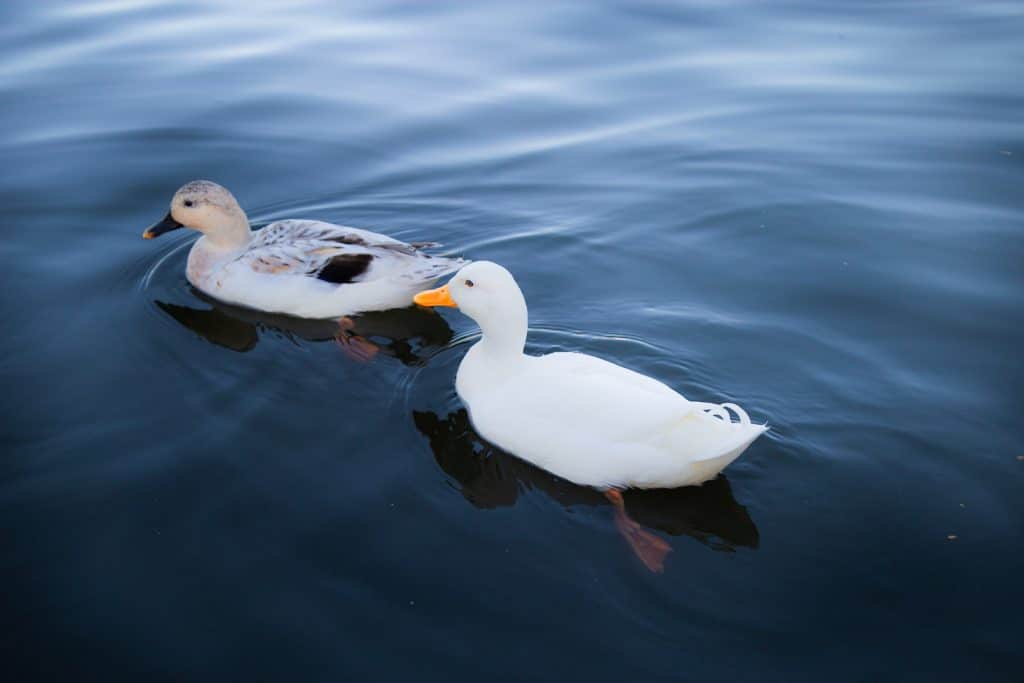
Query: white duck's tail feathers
723, 412
735, 429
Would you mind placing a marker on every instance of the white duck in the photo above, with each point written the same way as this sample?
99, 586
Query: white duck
303, 268
585, 419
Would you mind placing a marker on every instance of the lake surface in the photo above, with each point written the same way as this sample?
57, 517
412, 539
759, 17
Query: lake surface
815, 210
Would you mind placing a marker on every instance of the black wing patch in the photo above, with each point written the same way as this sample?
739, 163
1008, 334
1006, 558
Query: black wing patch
345, 268
346, 239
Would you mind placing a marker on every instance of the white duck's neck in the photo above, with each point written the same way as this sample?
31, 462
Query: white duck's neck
504, 328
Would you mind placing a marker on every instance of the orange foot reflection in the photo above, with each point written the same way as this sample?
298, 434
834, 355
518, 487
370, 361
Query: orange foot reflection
352, 345
651, 549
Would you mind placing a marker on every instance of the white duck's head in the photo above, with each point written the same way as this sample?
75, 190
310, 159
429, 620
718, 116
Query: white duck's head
488, 294
209, 208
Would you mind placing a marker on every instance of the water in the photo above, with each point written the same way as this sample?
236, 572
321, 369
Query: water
812, 209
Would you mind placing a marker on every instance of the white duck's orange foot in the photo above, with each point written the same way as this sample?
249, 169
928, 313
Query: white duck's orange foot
650, 548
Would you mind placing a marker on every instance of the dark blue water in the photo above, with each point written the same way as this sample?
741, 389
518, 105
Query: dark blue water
813, 209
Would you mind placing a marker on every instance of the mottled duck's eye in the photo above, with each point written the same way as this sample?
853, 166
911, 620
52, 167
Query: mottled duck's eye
188, 202
469, 283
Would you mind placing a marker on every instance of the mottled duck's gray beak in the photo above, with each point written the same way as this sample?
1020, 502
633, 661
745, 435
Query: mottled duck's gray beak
166, 225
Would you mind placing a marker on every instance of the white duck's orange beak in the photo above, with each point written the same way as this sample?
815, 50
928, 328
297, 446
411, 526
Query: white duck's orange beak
436, 297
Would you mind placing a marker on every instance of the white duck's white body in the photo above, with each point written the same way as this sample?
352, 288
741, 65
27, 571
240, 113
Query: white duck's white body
599, 424
304, 268
578, 416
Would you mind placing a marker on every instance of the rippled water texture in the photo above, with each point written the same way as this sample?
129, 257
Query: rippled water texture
813, 209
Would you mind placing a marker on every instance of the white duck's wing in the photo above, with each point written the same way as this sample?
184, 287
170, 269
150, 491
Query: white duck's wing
338, 255
575, 388
621, 405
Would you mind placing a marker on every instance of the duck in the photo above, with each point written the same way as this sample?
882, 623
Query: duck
580, 417
299, 267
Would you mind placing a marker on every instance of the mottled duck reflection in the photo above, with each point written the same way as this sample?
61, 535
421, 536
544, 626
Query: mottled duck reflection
401, 333
491, 478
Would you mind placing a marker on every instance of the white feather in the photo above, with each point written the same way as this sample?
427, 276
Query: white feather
585, 419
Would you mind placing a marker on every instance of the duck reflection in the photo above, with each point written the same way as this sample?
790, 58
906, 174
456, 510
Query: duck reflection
491, 478
400, 333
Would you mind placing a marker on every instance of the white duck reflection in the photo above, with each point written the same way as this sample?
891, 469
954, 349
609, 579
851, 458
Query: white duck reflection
490, 478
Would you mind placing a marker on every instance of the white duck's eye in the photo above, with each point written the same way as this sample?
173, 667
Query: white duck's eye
188, 202
468, 283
